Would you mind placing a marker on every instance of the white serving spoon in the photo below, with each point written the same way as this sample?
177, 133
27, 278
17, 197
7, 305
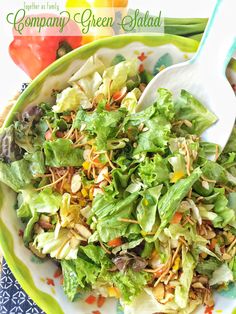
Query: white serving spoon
204, 75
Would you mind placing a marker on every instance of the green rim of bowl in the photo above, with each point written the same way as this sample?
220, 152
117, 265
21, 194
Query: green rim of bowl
18, 268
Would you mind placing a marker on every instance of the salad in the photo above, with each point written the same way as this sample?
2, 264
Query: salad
131, 205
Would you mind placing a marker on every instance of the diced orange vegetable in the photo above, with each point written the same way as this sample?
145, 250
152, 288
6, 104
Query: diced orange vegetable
101, 300
108, 107
96, 312
91, 299
96, 160
117, 95
176, 218
213, 244
115, 242
48, 135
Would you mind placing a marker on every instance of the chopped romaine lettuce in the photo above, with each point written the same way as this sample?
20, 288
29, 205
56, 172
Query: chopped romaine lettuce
61, 153
70, 99
223, 274
170, 202
147, 208
189, 108
182, 290
93, 64
154, 171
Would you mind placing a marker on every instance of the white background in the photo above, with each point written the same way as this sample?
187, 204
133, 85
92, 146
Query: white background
11, 76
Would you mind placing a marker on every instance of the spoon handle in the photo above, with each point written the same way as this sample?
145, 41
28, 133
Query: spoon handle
219, 40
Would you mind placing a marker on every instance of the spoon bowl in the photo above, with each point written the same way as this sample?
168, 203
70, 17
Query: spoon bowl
204, 75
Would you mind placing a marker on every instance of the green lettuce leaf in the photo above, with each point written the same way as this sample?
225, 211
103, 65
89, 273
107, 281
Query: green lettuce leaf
70, 99
109, 120
46, 201
223, 274
156, 137
182, 290
58, 246
225, 215
164, 104
147, 208
170, 202
61, 153
130, 101
108, 212
130, 283
9, 150
83, 272
71, 279
36, 160
93, 64
154, 170
208, 266
189, 108
231, 144
115, 77
16, 175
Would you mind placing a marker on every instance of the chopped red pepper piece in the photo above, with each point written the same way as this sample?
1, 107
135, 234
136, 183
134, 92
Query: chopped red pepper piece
101, 300
91, 299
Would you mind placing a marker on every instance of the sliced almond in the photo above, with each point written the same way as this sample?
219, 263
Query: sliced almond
102, 175
76, 183
159, 291
97, 191
205, 185
210, 235
86, 154
198, 285
83, 231
226, 256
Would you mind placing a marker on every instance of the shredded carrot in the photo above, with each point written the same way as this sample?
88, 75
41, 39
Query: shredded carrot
176, 218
